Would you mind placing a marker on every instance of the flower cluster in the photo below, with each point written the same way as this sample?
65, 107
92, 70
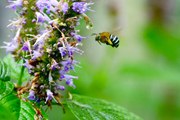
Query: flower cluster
47, 40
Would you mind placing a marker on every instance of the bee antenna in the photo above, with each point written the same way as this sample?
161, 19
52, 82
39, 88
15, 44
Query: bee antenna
89, 36
93, 34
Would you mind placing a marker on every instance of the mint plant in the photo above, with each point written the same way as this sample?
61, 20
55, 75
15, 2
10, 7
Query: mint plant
43, 48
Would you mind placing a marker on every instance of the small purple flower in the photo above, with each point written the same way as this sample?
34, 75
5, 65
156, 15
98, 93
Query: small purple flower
79, 38
13, 45
81, 7
69, 79
36, 54
68, 65
15, 4
60, 87
69, 50
69, 82
54, 65
31, 95
40, 40
26, 46
10, 46
72, 49
43, 4
41, 18
65, 7
63, 51
54, 3
49, 95
28, 66
16, 24
48, 5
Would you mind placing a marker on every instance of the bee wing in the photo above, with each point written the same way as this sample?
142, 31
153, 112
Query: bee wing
116, 30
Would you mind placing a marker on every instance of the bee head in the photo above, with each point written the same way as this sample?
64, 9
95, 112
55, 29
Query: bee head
98, 37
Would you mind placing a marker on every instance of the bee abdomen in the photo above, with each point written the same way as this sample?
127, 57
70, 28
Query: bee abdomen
114, 40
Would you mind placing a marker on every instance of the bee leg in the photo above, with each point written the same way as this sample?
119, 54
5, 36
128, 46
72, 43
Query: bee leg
99, 42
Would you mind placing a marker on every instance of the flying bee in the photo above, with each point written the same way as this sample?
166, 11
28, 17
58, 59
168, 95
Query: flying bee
107, 38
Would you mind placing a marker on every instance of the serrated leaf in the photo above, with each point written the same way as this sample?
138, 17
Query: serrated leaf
86, 108
5, 88
19, 109
16, 69
4, 71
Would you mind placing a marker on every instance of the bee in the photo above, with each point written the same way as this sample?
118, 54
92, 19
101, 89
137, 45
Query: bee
107, 38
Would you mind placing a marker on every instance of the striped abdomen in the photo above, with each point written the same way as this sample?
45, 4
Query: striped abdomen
115, 41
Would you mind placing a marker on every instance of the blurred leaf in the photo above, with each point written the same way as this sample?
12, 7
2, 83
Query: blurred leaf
163, 41
57, 113
16, 68
4, 71
86, 108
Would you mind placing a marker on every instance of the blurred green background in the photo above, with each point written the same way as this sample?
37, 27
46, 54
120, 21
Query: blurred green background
143, 73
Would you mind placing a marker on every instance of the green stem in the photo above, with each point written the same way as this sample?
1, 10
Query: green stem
21, 75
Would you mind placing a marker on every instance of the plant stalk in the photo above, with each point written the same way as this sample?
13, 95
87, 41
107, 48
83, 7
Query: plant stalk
21, 75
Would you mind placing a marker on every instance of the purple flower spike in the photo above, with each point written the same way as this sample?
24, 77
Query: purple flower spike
65, 7
31, 95
47, 39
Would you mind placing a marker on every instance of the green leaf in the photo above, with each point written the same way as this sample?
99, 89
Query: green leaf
4, 71
86, 108
6, 113
16, 69
18, 109
5, 88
